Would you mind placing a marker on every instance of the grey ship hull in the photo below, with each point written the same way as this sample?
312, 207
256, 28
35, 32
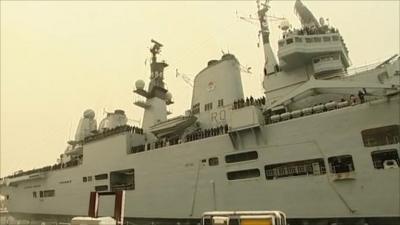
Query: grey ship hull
172, 184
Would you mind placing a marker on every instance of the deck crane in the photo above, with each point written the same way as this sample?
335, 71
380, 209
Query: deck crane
186, 78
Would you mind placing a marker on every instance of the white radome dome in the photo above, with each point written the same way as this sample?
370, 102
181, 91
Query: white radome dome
139, 84
89, 113
168, 96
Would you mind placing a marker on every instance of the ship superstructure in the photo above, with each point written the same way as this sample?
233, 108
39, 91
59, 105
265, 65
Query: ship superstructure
321, 145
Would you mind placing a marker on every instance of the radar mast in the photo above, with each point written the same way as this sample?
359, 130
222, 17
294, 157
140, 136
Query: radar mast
271, 65
157, 86
157, 97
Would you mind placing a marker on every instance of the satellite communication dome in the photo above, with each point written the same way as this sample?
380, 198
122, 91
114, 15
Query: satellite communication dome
285, 25
89, 114
139, 84
168, 96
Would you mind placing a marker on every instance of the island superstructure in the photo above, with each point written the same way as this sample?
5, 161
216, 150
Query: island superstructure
322, 145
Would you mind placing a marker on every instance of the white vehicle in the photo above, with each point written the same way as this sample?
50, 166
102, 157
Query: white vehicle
243, 218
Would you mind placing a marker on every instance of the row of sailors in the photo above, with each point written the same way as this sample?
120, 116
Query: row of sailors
318, 108
207, 133
190, 137
116, 130
240, 103
311, 31
164, 143
48, 168
29, 172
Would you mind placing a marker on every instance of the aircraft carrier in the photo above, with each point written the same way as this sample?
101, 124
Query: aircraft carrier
322, 144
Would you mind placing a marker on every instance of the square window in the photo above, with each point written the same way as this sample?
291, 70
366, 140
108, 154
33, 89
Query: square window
385, 159
213, 161
220, 102
341, 164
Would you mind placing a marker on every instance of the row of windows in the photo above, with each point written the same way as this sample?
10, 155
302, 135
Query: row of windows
382, 159
239, 157
308, 40
207, 107
44, 194
298, 168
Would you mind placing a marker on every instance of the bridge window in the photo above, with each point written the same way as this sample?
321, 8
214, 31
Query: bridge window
213, 161
385, 159
103, 176
309, 40
379, 136
101, 188
243, 174
208, 106
297, 168
289, 41
220, 102
317, 39
341, 164
281, 43
196, 108
335, 38
122, 180
298, 39
239, 157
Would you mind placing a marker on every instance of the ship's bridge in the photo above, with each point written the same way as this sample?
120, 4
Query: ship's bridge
326, 52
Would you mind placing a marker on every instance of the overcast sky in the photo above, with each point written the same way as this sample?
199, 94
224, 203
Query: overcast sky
60, 58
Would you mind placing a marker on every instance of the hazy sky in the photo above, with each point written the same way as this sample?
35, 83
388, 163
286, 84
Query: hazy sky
60, 58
